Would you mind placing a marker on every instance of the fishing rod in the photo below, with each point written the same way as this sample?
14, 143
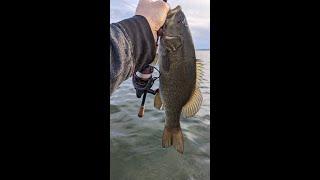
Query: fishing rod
147, 89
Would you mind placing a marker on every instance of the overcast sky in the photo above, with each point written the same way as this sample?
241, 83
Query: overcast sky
197, 13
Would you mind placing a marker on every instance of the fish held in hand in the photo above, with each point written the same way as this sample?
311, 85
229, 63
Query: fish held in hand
181, 73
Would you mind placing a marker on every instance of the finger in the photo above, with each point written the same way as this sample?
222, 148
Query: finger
166, 7
142, 4
163, 5
145, 1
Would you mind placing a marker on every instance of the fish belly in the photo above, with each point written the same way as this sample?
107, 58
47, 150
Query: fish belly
176, 87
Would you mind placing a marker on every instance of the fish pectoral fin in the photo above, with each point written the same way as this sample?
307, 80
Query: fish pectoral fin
193, 105
173, 136
157, 101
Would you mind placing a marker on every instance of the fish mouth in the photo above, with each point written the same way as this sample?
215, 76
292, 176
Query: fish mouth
174, 10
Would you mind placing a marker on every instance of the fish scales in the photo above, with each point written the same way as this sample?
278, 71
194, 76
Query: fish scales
178, 69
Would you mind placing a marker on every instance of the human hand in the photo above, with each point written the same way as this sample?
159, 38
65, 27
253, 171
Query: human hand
155, 11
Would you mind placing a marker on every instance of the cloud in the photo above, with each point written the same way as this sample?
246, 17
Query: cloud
197, 13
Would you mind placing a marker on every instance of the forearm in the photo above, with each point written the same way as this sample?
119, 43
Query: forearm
132, 45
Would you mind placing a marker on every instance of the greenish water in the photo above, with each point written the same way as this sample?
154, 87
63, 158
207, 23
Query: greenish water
135, 143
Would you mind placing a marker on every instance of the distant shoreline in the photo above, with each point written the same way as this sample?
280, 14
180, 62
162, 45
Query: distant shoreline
202, 49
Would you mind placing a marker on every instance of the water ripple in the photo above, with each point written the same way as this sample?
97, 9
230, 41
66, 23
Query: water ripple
135, 143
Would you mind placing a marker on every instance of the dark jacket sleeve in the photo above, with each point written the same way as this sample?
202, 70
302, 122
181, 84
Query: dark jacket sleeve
132, 45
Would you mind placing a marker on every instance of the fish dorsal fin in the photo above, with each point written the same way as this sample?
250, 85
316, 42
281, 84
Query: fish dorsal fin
199, 70
195, 101
193, 105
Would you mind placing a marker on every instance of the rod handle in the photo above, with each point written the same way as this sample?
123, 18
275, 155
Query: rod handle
141, 111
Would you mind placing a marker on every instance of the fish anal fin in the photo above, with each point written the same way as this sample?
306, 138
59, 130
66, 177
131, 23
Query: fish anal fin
193, 105
173, 137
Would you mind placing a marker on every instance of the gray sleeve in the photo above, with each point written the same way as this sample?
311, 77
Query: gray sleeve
132, 45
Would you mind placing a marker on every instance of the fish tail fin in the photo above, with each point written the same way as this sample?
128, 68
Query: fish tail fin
173, 136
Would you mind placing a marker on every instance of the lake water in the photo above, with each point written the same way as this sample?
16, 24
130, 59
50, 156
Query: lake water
135, 143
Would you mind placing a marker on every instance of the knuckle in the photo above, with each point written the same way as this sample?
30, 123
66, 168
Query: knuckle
165, 6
